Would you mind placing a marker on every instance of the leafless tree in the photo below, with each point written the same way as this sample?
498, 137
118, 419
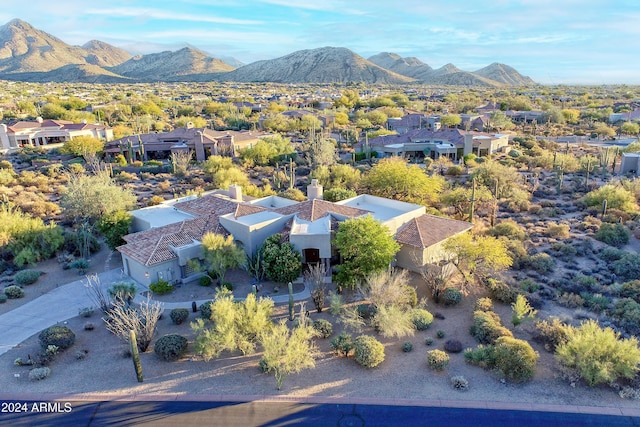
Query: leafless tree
180, 161
314, 279
97, 292
122, 318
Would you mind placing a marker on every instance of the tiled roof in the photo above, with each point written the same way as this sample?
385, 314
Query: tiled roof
244, 209
312, 210
207, 205
427, 230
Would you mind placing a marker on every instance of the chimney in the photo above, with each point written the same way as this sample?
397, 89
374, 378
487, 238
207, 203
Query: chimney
235, 192
314, 191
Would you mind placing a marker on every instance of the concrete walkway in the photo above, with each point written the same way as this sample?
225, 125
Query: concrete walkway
64, 302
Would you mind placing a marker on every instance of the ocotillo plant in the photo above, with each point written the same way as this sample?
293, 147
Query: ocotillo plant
291, 312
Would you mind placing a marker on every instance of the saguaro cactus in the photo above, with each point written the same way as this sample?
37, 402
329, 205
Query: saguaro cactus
291, 311
135, 355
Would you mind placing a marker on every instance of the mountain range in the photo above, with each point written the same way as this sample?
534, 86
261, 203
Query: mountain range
29, 54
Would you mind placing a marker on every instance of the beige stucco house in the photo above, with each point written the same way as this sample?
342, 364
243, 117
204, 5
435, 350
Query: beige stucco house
43, 132
166, 237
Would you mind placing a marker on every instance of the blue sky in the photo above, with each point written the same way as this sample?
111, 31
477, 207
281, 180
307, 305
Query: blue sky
552, 41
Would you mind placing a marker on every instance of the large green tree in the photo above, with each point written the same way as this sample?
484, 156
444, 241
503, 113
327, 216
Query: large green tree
82, 145
282, 263
90, 197
394, 179
366, 246
114, 226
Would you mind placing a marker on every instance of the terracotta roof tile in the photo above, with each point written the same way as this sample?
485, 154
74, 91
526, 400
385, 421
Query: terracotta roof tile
244, 209
312, 210
427, 230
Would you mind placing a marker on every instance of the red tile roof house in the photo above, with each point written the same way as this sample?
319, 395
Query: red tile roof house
44, 132
166, 237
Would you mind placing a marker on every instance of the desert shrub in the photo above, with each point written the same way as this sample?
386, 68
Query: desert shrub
89, 326
515, 359
453, 346
37, 374
27, 277
170, 347
86, 312
143, 320
483, 304
81, 354
440, 334
540, 262
487, 327
482, 355
263, 365
342, 344
627, 310
366, 311
411, 295
205, 281
627, 267
179, 315
80, 264
13, 292
335, 304
3, 298
559, 231
437, 359
227, 285
407, 346
459, 382
599, 355
612, 254
571, 300
155, 200
368, 351
564, 252
160, 287
509, 229
501, 291
60, 336
529, 286
616, 197
454, 170
596, 302
521, 310
422, 319
324, 327
428, 340
613, 234
123, 290
205, 310
451, 296
552, 333
631, 290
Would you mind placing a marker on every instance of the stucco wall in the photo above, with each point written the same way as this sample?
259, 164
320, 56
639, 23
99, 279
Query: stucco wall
169, 270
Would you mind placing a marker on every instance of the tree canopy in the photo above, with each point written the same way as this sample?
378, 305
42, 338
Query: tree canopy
394, 179
221, 254
281, 261
366, 246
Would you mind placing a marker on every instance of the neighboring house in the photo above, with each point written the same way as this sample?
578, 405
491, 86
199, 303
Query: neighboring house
44, 132
627, 116
411, 121
202, 141
630, 164
167, 237
452, 143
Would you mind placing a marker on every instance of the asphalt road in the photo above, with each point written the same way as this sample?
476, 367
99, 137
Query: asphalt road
229, 414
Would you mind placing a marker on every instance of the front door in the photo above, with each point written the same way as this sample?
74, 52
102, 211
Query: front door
311, 255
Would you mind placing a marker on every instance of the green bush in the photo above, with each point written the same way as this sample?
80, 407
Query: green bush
627, 267
552, 332
123, 290
451, 296
366, 311
205, 310
421, 318
487, 327
453, 346
170, 347
60, 336
205, 281
483, 304
179, 315
27, 277
86, 312
228, 286
501, 291
631, 290
437, 359
541, 262
459, 383
37, 374
482, 355
509, 229
515, 358
627, 310
428, 340
412, 295
160, 287
440, 333
342, 344
368, 351
3, 298
14, 292
612, 254
613, 234
599, 355
407, 347
324, 327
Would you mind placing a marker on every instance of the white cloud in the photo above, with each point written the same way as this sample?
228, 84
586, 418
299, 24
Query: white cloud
135, 12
